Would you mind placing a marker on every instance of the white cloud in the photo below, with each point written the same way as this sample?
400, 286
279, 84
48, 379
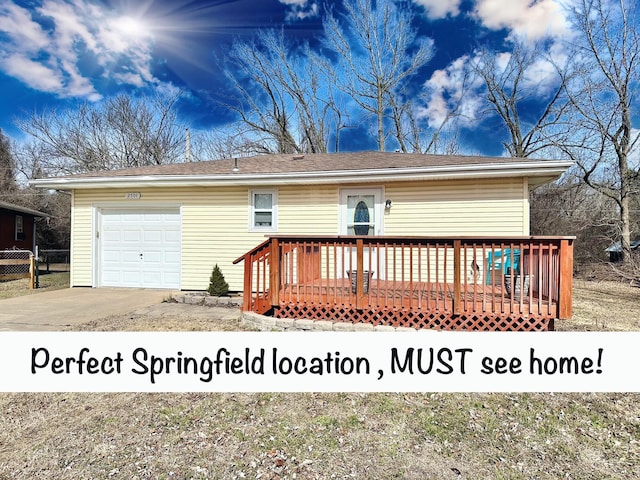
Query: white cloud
16, 23
525, 19
452, 89
440, 8
300, 9
51, 56
540, 77
34, 74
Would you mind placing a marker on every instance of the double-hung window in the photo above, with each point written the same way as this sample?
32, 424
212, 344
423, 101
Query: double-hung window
264, 209
19, 227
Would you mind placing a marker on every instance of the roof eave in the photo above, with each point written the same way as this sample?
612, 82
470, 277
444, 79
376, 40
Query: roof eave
23, 210
543, 169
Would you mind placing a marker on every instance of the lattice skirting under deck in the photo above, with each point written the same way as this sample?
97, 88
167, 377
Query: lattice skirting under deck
438, 320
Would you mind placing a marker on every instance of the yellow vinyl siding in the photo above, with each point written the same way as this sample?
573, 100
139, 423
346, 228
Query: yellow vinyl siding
81, 242
215, 220
215, 230
308, 210
457, 208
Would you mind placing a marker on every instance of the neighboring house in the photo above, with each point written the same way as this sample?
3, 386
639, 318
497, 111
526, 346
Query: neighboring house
167, 226
18, 227
615, 250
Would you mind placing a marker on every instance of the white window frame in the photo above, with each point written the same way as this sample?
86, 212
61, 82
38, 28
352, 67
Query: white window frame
274, 210
19, 227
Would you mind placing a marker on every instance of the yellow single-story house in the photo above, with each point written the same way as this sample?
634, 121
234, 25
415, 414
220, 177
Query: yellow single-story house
167, 226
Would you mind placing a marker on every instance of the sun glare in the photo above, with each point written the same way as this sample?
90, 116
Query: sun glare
176, 28
132, 28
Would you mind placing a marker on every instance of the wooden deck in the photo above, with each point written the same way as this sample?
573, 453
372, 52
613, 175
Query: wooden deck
419, 283
417, 296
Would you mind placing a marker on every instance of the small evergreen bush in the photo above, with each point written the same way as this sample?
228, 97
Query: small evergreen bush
218, 287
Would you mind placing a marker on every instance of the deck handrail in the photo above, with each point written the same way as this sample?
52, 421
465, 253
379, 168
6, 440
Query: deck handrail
297, 269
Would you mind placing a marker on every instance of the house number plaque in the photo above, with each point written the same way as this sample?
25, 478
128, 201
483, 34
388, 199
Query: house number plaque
132, 195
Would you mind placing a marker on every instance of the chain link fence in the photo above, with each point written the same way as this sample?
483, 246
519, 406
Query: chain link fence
54, 260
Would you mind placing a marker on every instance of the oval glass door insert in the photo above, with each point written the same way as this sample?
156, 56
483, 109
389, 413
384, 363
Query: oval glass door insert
361, 219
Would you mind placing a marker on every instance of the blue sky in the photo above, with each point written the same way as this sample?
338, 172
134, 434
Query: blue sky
57, 53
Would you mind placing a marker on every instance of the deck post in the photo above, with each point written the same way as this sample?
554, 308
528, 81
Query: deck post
565, 282
359, 274
32, 271
457, 297
248, 283
274, 273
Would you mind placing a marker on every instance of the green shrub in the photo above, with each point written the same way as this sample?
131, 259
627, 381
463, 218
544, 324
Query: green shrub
217, 285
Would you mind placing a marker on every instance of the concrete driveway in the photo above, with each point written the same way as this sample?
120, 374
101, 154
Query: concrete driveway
58, 309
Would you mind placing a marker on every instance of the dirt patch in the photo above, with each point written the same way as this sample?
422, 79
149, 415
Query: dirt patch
171, 316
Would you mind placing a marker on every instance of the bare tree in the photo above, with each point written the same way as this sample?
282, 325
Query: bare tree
510, 85
7, 165
234, 140
570, 207
52, 233
282, 96
122, 132
378, 50
603, 98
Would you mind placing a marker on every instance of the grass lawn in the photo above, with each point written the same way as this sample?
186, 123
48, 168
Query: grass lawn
49, 281
342, 436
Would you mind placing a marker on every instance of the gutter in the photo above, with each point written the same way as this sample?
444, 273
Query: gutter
499, 170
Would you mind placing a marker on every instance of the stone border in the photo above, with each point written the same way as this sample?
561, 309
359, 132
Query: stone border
271, 324
202, 298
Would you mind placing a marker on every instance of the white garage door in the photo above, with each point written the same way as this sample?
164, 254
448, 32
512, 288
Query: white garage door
140, 248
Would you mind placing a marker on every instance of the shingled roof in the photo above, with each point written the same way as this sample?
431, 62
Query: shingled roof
18, 209
318, 166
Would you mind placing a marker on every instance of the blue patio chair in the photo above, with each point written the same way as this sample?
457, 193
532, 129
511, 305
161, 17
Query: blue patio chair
500, 260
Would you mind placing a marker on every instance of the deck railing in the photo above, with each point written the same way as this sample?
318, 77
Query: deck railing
519, 283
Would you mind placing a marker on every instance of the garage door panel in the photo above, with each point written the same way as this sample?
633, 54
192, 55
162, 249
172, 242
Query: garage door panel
153, 236
154, 217
171, 237
172, 278
172, 258
131, 218
111, 256
130, 257
153, 258
111, 278
111, 235
140, 248
131, 235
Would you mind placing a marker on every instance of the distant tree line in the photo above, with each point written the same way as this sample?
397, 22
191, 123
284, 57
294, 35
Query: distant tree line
293, 97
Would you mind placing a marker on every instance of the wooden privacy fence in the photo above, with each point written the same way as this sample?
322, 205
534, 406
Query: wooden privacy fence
16, 264
465, 283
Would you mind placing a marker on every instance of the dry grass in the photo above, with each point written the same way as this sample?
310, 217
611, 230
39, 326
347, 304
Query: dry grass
604, 306
436, 436
51, 281
318, 436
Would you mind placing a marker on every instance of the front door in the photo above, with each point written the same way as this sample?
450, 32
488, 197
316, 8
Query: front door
361, 211
361, 215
